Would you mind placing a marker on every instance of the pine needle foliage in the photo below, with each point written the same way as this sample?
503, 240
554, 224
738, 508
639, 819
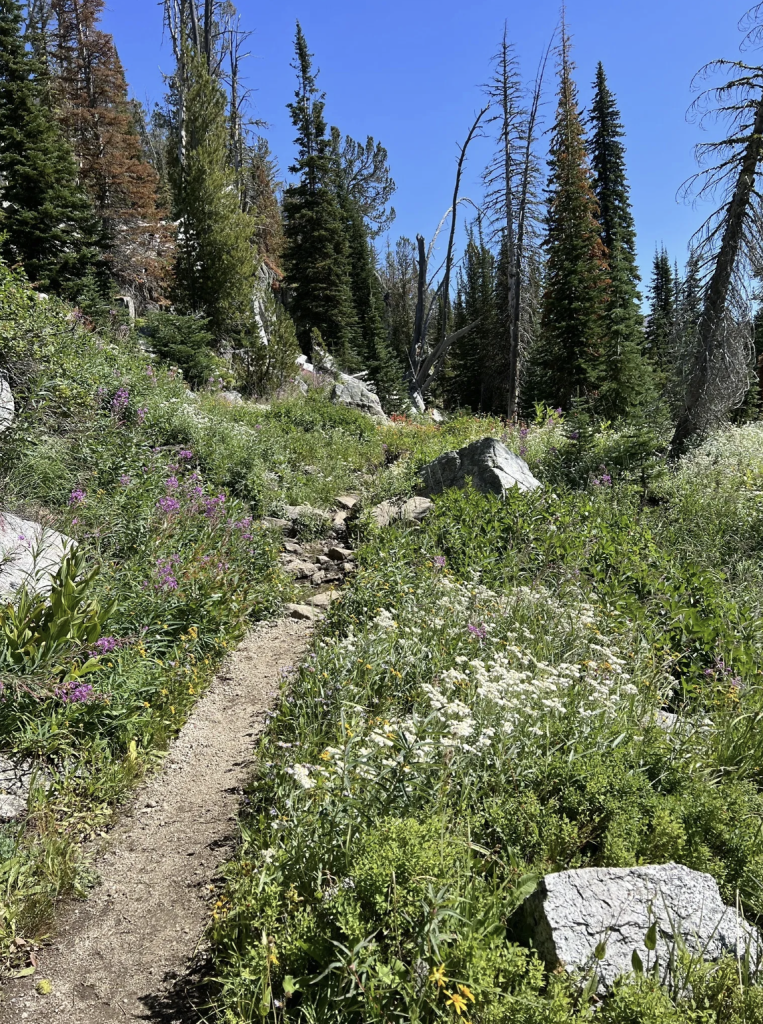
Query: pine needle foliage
315, 253
575, 298
216, 261
46, 220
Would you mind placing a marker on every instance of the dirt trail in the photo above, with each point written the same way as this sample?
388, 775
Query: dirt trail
123, 955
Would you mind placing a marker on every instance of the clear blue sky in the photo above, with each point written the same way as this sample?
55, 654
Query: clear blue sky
409, 72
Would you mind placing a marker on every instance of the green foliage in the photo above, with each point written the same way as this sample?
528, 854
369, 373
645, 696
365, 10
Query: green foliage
316, 255
216, 263
46, 222
265, 365
185, 342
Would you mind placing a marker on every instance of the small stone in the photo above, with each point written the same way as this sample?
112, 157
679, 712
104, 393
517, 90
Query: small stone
301, 611
385, 513
276, 524
337, 554
324, 600
415, 509
293, 549
7, 405
347, 502
300, 570
324, 560
12, 808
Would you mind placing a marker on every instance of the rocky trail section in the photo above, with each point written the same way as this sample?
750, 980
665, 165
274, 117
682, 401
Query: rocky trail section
124, 954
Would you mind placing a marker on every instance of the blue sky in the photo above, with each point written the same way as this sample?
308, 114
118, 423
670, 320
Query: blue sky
409, 73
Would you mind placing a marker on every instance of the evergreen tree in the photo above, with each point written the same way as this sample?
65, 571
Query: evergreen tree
368, 301
315, 253
399, 279
216, 262
100, 123
610, 183
475, 377
575, 299
46, 222
620, 375
661, 319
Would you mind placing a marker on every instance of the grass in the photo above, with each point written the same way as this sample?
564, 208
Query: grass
477, 710
480, 709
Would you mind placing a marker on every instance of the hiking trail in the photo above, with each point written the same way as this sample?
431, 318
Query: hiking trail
125, 953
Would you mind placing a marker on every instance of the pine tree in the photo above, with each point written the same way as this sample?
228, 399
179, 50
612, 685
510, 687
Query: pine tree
46, 222
374, 348
575, 299
216, 262
399, 276
661, 319
476, 359
315, 253
100, 124
621, 376
610, 183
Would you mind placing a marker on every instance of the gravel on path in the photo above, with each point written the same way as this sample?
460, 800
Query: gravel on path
125, 953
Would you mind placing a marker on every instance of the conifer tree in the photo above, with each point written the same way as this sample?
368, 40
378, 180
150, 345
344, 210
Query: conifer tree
661, 320
46, 222
609, 177
575, 299
98, 120
620, 375
216, 262
315, 252
475, 361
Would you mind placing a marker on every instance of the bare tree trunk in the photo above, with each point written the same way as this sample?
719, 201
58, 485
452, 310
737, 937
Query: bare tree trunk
691, 421
208, 20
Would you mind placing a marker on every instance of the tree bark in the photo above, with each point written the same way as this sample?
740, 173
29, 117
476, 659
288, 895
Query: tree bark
690, 422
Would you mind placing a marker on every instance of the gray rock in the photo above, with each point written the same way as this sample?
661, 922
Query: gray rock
347, 502
325, 599
12, 808
30, 555
337, 554
300, 570
276, 524
493, 469
411, 511
415, 509
128, 303
301, 611
572, 912
356, 395
7, 405
16, 777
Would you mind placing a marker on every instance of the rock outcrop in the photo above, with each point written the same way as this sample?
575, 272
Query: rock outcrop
574, 912
7, 405
492, 468
30, 555
355, 394
411, 511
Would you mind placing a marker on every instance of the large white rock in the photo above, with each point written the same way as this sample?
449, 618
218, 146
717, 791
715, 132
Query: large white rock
7, 405
573, 912
492, 468
356, 395
30, 555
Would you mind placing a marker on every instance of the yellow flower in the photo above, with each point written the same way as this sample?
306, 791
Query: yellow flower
272, 958
457, 1002
438, 976
465, 992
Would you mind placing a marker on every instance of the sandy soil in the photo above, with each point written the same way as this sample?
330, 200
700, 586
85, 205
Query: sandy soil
128, 952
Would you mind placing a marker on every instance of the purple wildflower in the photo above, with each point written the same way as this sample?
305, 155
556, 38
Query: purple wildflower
141, 414
440, 561
125, 480
120, 401
168, 505
77, 496
73, 693
172, 483
185, 454
479, 631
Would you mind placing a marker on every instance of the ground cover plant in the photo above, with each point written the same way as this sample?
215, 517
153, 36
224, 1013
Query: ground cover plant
162, 489
481, 708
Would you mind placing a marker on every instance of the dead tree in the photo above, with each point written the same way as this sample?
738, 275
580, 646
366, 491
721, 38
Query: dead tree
728, 244
427, 361
512, 197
